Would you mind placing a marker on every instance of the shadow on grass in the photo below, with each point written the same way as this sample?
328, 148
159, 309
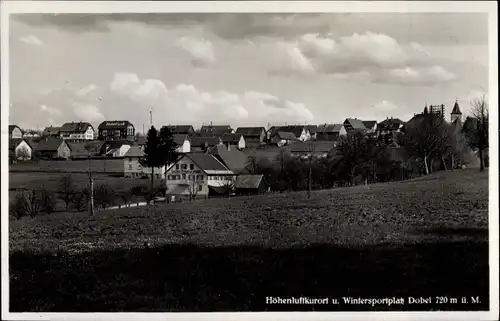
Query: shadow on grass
192, 278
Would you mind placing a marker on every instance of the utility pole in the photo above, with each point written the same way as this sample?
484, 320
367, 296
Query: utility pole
309, 181
91, 187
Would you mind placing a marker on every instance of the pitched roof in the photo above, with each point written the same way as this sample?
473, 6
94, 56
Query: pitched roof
48, 131
250, 131
180, 138
114, 124
234, 159
80, 148
218, 129
248, 181
456, 109
112, 143
200, 141
12, 127
14, 142
295, 129
79, 127
390, 124
51, 144
355, 123
286, 135
33, 141
207, 162
313, 129
180, 129
314, 146
231, 138
369, 123
330, 128
134, 151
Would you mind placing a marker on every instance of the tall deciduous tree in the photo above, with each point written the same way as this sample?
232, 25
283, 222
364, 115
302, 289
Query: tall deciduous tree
475, 128
152, 154
427, 137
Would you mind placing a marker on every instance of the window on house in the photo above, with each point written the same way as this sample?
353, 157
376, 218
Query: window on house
191, 166
200, 187
184, 166
176, 166
104, 133
200, 177
129, 167
183, 176
190, 177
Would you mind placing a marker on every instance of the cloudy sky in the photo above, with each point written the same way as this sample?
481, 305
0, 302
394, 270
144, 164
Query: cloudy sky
242, 69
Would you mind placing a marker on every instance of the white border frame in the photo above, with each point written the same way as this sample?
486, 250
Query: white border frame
490, 7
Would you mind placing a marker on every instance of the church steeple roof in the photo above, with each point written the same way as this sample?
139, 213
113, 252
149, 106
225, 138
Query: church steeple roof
456, 109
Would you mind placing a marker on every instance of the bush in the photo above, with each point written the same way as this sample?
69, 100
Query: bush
33, 204
47, 201
80, 199
103, 195
17, 207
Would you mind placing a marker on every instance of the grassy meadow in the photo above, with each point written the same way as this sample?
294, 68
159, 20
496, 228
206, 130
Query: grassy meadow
421, 237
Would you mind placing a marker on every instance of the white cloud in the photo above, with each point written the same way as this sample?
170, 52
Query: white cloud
50, 110
86, 90
87, 112
201, 50
31, 40
188, 104
411, 76
384, 106
361, 57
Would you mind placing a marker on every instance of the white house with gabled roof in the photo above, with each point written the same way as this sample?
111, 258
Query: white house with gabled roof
198, 174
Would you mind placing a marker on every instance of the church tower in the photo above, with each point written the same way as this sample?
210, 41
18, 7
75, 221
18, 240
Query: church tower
456, 113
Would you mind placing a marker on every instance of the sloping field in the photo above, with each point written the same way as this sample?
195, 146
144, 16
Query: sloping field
424, 237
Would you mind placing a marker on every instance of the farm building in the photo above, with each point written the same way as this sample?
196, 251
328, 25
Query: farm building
313, 130
354, 124
284, 138
77, 131
233, 141
51, 132
330, 132
183, 143
116, 148
370, 125
250, 184
299, 131
15, 132
116, 130
201, 144
20, 149
215, 130
197, 174
133, 169
81, 149
254, 136
181, 129
53, 148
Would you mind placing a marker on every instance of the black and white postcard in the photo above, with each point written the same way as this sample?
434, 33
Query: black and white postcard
293, 159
